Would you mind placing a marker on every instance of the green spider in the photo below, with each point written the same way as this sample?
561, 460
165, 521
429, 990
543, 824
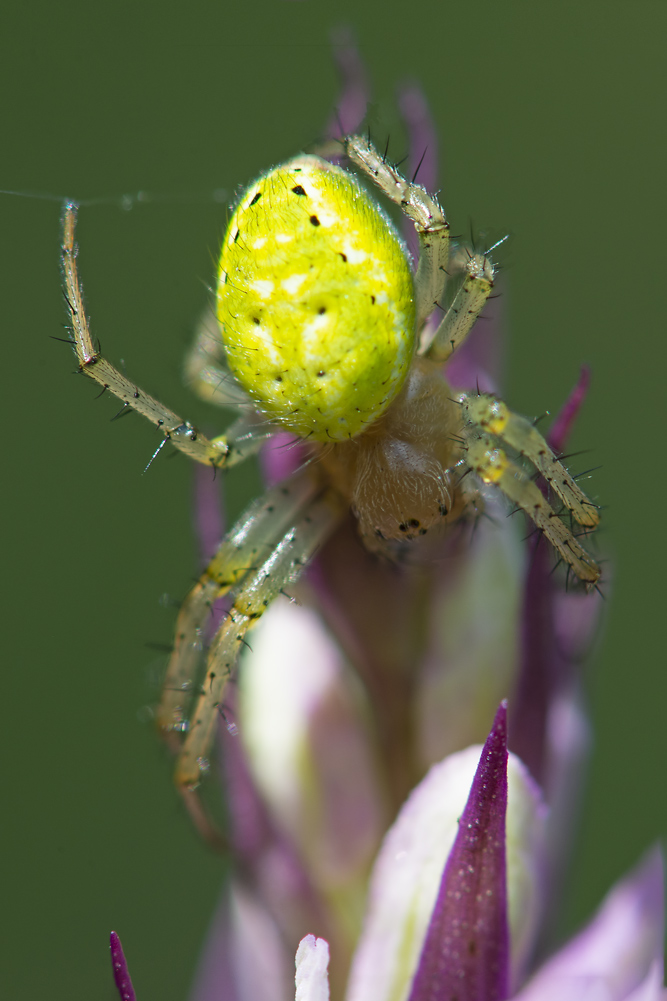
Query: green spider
321, 331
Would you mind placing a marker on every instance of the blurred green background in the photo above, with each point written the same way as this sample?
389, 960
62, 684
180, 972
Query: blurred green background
552, 126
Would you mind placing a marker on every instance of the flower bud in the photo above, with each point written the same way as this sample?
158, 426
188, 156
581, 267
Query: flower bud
303, 724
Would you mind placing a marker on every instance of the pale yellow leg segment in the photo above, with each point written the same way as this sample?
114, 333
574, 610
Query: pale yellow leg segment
206, 371
466, 306
245, 437
494, 416
173, 428
493, 466
425, 212
257, 591
245, 547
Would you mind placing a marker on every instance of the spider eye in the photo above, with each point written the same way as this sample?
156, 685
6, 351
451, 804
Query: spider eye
313, 256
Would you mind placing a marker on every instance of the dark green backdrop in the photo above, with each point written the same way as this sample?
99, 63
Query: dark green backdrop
552, 124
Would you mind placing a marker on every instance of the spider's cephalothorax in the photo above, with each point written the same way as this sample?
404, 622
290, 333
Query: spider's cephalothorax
324, 334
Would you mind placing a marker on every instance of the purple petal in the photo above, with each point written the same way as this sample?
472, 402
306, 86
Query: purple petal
209, 520
353, 99
121, 975
208, 512
245, 957
215, 979
562, 426
617, 950
261, 849
652, 987
539, 668
423, 145
422, 135
376, 612
281, 456
466, 952
274, 902
552, 643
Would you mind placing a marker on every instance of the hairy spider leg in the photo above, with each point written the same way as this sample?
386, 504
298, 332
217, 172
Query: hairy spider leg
255, 593
495, 417
467, 304
206, 369
492, 465
173, 428
244, 547
425, 212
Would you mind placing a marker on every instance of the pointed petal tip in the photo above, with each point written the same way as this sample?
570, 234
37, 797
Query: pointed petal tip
466, 951
422, 135
120, 971
354, 88
494, 755
562, 427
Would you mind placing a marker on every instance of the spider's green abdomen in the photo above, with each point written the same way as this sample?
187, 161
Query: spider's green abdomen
315, 299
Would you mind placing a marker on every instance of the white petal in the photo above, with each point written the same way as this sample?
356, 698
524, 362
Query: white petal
308, 747
312, 964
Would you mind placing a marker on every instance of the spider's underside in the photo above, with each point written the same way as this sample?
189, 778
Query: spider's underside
323, 332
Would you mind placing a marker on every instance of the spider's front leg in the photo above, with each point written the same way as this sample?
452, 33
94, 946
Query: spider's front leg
491, 463
494, 416
218, 452
469, 301
425, 212
257, 582
434, 247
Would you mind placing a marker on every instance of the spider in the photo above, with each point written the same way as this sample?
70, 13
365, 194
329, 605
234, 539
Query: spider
323, 333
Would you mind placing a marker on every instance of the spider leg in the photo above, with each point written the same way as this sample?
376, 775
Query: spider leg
493, 466
257, 590
495, 417
424, 211
173, 428
243, 549
466, 306
206, 370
